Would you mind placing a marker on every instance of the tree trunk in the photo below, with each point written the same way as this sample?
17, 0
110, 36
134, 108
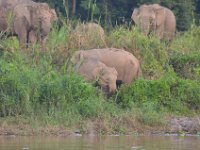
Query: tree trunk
73, 7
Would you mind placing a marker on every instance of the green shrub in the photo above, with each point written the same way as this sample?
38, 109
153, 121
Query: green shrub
184, 53
149, 50
10, 44
150, 113
27, 89
197, 74
185, 65
187, 42
39, 84
170, 92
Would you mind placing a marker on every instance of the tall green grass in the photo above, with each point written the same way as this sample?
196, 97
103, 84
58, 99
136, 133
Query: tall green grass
40, 85
27, 88
151, 52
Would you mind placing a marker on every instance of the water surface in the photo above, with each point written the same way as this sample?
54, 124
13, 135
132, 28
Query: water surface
101, 143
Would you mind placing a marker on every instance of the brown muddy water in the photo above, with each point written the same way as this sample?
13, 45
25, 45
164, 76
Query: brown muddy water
101, 143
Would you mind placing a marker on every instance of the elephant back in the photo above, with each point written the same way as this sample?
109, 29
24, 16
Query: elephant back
126, 64
10, 4
7, 6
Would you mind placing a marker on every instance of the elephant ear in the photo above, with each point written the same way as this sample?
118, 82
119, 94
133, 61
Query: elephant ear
135, 15
160, 16
98, 72
54, 16
41, 10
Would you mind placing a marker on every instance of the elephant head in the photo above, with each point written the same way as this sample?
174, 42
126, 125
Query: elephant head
42, 19
33, 21
106, 78
93, 69
148, 17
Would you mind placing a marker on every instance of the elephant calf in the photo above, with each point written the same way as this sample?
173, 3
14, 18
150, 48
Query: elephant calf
127, 65
93, 70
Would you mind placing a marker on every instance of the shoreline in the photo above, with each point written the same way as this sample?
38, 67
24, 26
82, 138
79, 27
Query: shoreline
179, 126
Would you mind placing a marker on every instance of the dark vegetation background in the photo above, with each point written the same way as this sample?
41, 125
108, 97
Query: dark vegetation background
115, 12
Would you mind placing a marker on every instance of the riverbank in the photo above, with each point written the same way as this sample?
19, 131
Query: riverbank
182, 126
40, 95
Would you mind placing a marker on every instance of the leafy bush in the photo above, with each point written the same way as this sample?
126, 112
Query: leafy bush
27, 89
187, 42
36, 84
185, 65
170, 92
58, 44
151, 52
184, 53
10, 44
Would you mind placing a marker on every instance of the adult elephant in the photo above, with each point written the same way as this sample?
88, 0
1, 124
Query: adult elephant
6, 9
127, 65
35, 18
28, 17
88, 36
157, 19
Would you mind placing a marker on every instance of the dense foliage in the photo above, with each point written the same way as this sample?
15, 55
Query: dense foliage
111, 12
42, 86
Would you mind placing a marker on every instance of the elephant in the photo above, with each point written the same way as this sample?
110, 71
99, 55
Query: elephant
127, 65
6, 9
157, 19
88, 36
29, 17
94, 70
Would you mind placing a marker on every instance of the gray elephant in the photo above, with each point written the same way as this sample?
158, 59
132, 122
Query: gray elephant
127, 65
157, 19
28, 17
94, 70
6, 12
36, 18
88, 36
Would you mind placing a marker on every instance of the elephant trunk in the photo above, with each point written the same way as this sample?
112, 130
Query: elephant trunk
145, 26
145, 30
112, 88
109, 90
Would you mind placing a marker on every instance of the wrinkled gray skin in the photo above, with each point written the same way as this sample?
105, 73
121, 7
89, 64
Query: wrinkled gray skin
157, 19
28, 17
94, 70
127, 65
6, 7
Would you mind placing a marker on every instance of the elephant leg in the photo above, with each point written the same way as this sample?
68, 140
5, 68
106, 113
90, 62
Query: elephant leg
43, 42
160, 32
32, 37
20, 28
22, 38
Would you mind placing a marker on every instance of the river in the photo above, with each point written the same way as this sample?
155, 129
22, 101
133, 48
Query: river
100, 143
